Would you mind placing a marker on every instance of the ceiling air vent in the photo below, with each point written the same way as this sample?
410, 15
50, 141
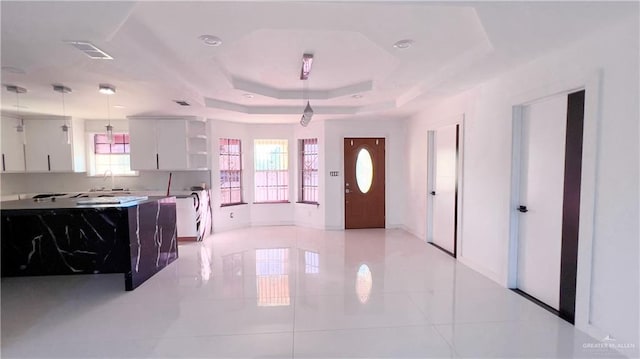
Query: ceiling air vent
90, 50
182, 102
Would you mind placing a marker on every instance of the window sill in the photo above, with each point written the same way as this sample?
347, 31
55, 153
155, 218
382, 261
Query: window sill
272, 202
307, 202
232, 204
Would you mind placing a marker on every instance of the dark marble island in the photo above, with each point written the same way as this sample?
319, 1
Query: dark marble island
135, 236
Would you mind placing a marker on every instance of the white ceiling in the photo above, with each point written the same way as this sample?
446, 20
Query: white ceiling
158, 57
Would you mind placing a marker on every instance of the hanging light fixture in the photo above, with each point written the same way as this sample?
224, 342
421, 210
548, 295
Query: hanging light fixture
108, 90
306, 115
65, 125
305, 71
20, 126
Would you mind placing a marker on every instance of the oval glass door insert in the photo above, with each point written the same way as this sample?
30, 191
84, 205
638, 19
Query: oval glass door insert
364, 170
364, 283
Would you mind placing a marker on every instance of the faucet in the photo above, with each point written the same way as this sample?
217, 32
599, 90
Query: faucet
104, 178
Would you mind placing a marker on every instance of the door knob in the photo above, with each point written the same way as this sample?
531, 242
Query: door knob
523, 209
433, 193
347, 191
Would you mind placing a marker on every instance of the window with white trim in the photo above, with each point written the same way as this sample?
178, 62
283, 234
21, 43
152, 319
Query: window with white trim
110, 157
230, 171
308, 170
271, 171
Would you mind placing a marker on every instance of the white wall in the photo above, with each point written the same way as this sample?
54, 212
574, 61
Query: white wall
329, 213
251, 214
19, 183
487, 170
394, 133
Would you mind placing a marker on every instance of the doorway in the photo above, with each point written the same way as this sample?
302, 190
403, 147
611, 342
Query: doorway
443, 185
550, 154
364, 183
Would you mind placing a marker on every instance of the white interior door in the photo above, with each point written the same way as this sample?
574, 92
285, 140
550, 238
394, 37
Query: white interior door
443, 190
541, 192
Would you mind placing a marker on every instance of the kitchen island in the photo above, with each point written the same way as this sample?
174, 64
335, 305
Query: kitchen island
131, 235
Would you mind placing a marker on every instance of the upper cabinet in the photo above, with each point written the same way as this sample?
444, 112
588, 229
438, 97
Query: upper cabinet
47, 148
42, 146
143, 144
12, 146
165, 144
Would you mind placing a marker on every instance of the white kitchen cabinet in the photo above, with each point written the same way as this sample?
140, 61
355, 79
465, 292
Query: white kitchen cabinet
12, 146
143, 144
160, 143
47, 150
172, 144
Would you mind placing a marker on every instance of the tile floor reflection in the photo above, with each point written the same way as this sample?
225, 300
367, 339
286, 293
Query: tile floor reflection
282, 292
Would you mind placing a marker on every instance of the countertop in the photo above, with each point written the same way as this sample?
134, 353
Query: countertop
77, 194
69, 203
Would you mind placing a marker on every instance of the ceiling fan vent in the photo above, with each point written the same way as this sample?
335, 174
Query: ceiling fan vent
182, 103
90, 50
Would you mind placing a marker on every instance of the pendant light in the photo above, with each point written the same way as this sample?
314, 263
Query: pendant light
108, 90
65, 125
307, 113
20, 125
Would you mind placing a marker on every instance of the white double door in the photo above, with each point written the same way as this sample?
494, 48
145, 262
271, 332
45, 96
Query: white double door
542, 158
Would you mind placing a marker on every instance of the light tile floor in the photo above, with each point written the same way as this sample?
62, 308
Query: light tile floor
282, 292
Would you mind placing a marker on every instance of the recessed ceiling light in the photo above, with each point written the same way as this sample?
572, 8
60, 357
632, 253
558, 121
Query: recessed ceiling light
106, 89
248, 95
13, 70
210, 40
403, 44
118, 106
357, 96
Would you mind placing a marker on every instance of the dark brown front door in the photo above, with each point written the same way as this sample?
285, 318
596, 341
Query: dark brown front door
364, 200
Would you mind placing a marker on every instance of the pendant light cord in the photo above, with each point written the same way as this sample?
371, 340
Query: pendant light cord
305, 92
64, 112
18, 104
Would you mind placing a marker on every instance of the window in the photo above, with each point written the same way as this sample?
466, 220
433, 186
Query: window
308, 170
311, 262
271, 171
111, 157
230, 171
272, 277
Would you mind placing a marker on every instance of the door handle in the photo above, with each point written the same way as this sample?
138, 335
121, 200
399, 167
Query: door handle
157, 161
49, 162
523, 209
347, 191
433, 193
